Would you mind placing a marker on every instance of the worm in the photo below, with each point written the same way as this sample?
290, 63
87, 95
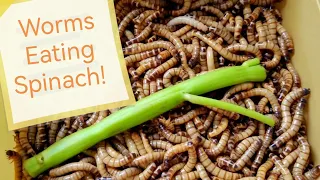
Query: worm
130, 143
190, 115
101, 166
295, 76
139, 144
190, 21
23, 133
152, 38
179, 46
145, 142
219, 128
195, 52
242, 147
247, 48
127, 19
261, 32
74, 176
304, 153
71, 167
126, 173
92, 119
188, 176
64, 129
40, 137
207, 18
208, 120
284, 170
32, 130
153, 63
261, 129
289, 147
261, 92
217, 12
112, 152
182, 30
159, 144
247, 11
202, 172
218, 48
90, 160
162, 68
221, 145
263, 169
199, 125
174, 169
119, 145
113, 162
185, 8
252, 126
139, 19
167, 123
288, 81
251, 32
213, 169
176, 149
203, 59
226, 4
275, 49
210, 59
18, 148
147, 158
238, 27
225, 18
138, 87
313, 173
128, 34
197, 4
17, 161
193, 133
145, 174
286, 37
295, 126
285, 107
272, 26
142, 36
253, 16
221, 31
238, 88
242, 161
171, 73
261, 153
283, 49
77, 123
102, 114
146, 83
257, 2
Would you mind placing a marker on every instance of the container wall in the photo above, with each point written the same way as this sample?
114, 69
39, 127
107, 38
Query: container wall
302, 20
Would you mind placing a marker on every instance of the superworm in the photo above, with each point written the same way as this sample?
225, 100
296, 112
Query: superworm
190, 21
295, 126
138, 142
224, 5
275, 49
295, 76
286, 37
246, 11
17, 161
126, 20
130, 143
313, 174
77, 123
262, 104
284, 171
171, 73
221, 145
174, 169
147, 158
212, 10
285, 107
225, 18
64, 129
92, 119
243, 146
195, 52
190, 115
301, 161
162, 68
208, 120
23, 134
199, 125
261, 153
242, 135
112, 152
182, 30
220, 128
218, 48
286, 87
188, 176
272, 26
202, 172
213, 169
238, 27
74, 176
238, 88
246, 48
261, 32
128, 34
261, 92
145, 142
142, 36
210, 59
251, 32
126, 173
185, 8
119, 145
71, 167
284, 49
32, 131
263, 169
257, 2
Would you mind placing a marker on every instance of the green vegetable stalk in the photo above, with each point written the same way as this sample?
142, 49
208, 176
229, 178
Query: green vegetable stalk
149, 108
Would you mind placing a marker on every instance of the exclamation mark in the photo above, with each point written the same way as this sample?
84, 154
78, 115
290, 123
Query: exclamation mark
102, 73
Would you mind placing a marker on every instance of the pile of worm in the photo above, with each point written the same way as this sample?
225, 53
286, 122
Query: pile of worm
166, 42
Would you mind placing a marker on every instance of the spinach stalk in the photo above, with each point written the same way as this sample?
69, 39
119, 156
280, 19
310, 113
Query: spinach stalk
146, 109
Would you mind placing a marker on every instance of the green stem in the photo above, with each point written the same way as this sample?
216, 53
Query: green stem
204, 101
144, 110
